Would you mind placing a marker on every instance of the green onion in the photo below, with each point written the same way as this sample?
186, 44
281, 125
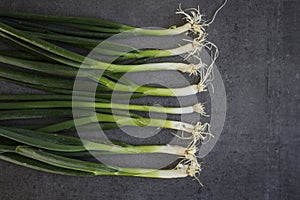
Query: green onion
72, 144
117, 49
38, 63
95, 24
38, 43
109, 85
101, 169
198, 131
81, 104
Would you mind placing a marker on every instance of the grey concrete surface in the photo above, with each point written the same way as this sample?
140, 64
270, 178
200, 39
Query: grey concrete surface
256, 157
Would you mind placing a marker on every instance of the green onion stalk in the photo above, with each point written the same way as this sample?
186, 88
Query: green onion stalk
8, 154
59, 52
198, 108
58, 164
101, 28
113, 48
116, 49
43, 150
73, 59
124, 52
61, 114
197, 132
20, 54
51, 145
42, 97
37, 114
69, 144
55, 112
29, 83
106, 84
40, 113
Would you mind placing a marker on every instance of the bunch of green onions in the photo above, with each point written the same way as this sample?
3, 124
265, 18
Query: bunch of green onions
40, 63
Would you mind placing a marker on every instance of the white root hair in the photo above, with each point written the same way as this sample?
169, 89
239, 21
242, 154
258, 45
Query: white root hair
190, 163
201, 131
194, 17
216, 12
182, 136
200, 108
198, 44
198, 133
205, 71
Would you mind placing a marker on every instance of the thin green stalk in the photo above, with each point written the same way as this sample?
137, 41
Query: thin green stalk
81, 104
123, 121
44, 80
49, 89
97, 169
88, 43
57, 69
102, 96
36, 79
44, 97
90, 23
171, 92
57, 113
63, 143
28, 25
193, 89
40, 51
7, 148
62, 70
85, 128
40, 66
83, 154
117, 49
91, 28
114, 49
107, 84
66, 19
8, 142
20, 54
15, 44
36, 114
41, 166
90, 62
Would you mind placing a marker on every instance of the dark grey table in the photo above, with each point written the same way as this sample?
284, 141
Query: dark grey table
256, 156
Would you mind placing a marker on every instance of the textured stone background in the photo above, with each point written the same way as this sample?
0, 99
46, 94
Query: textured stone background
257, 154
